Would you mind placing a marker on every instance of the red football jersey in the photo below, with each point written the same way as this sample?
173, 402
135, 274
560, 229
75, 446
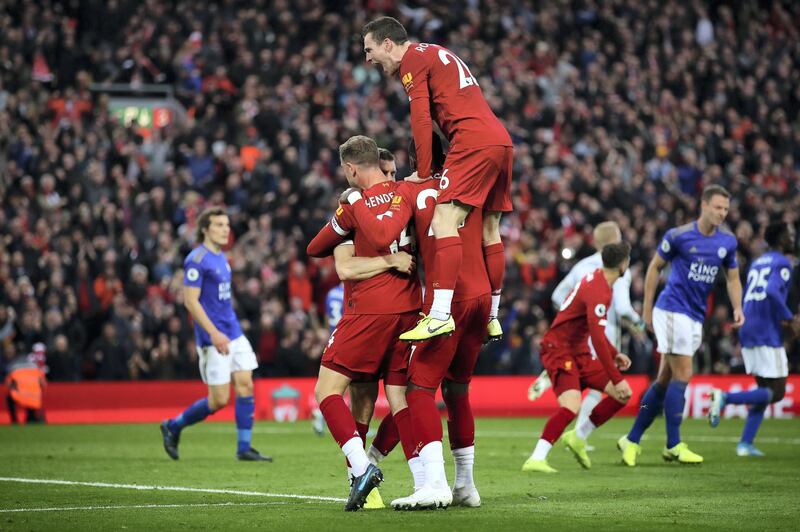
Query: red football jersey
390, 292
415, 202
441, 87
583, 314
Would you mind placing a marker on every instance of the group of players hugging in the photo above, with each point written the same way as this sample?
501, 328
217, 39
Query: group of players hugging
419, 340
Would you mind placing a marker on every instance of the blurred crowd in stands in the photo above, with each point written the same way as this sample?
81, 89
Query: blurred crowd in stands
619, 109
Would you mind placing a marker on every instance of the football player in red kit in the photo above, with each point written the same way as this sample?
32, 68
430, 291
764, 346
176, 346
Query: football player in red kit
376, 309
476, 174
571, 366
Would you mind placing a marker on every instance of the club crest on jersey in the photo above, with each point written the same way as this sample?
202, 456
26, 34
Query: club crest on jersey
600, 310
192, 274
722, 253
568, 365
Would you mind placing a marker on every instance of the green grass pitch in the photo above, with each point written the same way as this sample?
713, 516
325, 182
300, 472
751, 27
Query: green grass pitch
725, 493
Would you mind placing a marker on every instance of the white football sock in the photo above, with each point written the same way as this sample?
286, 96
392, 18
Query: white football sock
354, 451
374, 455
588, 404
417, 468
584, 429
440, 308
433, 459
464, 459
495, 305
542, 449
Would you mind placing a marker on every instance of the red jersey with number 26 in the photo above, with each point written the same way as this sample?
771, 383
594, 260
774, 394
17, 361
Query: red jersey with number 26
441, 87
583, 314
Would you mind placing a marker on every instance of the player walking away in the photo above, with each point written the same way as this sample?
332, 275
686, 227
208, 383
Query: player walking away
445, 360
604, 234
363, 345
696, 252
223, 351
571, 366
766, 312
477, 172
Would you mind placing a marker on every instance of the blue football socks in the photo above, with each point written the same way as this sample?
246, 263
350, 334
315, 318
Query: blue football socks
649, 408
751, 397
754, 418
198, 411
245, 412
674, 401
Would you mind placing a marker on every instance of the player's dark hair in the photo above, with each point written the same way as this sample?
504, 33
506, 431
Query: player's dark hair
385, 155
615, 254
437, 149
359, 150
204, 220
714, 190
385, 28
774, 233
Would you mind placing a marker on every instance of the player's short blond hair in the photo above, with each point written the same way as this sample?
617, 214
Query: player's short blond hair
359, 150
606, 233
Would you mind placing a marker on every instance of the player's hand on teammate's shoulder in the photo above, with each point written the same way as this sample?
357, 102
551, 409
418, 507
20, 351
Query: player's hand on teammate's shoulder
738, 318
622, 391
402, 262
414, 178
622, 361
221, 342
349, 196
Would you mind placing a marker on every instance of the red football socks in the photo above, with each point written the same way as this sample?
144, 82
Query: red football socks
494, 255
447, 263
339, 419
407, 432
387, 436
460, 421
605, 410
556, 424
427, 423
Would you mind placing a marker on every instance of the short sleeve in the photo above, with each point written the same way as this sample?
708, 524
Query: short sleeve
667, 247
192, 274
730, 262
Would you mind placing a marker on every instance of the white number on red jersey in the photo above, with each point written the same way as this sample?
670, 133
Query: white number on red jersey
465, 77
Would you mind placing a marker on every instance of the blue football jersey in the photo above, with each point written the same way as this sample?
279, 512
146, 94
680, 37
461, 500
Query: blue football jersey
695, 262
765, 305
211, 273
334, 304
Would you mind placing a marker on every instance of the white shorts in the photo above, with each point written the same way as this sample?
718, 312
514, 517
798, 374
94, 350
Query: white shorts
767, 362
676, 333
216, 368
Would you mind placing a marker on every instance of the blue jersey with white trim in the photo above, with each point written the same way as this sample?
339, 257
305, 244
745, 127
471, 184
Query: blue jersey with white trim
334, 305
765, 307
211, 273
695, 262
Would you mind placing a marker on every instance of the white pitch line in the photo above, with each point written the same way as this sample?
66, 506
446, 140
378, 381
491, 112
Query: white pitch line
169, 488
136, 506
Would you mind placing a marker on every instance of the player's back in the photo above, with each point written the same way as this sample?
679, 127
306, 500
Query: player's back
765, 301
570, 328
390, 292
457, 103
211, 273
695, 259
473, 280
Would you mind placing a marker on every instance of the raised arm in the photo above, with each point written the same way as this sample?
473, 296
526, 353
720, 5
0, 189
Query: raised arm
414, 75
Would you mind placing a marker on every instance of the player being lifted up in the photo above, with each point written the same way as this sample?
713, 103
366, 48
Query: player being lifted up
363, 346
477, 172
571, 366
766, 313
604, 234
696, 252
223, 351
446, 360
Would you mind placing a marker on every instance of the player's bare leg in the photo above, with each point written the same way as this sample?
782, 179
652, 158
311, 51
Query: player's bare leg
674, 401
605, 409
569, 403
362, 404
447, 217
461, 431
245, 408
328, 391
435, 493
494, 255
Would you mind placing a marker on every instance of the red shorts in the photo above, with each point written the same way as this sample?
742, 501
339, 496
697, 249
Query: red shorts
480, 177
452, 357
571, 371
365, 347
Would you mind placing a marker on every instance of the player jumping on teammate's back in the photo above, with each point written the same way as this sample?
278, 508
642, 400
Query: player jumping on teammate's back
697, 251
604, 234
572, 367
477, 172
223, 351
766, 313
